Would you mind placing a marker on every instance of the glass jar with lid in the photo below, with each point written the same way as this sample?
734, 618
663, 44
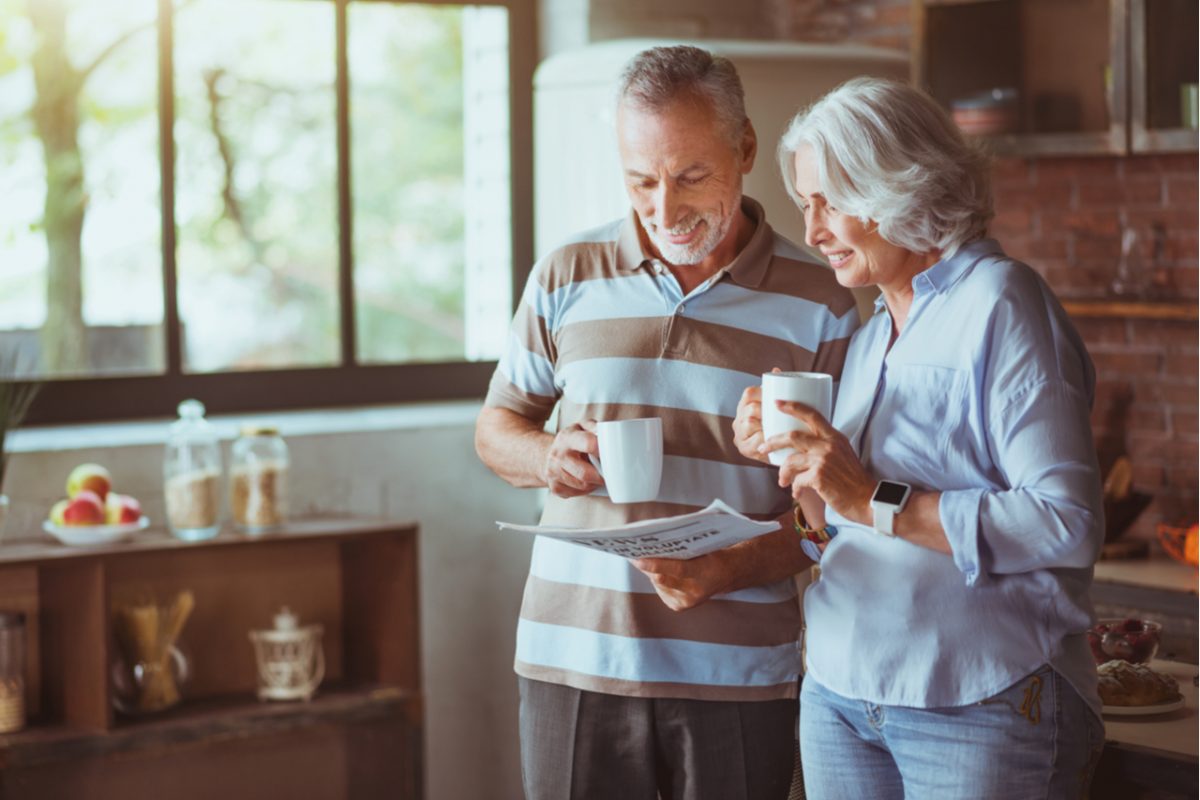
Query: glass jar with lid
259, 477
192, 475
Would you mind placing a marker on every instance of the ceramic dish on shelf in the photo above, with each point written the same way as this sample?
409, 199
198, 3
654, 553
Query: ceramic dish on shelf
93, 535
1138, 711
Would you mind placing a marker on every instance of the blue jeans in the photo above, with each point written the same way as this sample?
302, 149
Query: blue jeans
1036, 739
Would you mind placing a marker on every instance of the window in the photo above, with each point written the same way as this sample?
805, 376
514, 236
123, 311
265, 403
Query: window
333, 219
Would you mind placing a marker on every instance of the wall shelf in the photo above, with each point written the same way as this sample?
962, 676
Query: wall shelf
1131, 309
1111, 87
360, 734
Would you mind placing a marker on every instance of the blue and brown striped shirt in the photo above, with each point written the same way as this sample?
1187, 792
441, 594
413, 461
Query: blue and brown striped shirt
604, 331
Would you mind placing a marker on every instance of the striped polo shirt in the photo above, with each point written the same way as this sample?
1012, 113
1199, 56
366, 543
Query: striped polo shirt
604, 331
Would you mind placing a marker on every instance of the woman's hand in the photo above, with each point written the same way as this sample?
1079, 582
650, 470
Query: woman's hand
824, 461
747, 426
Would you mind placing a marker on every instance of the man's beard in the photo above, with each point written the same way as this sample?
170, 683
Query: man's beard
715, 229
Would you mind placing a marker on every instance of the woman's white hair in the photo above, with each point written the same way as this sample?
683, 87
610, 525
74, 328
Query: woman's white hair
888, 154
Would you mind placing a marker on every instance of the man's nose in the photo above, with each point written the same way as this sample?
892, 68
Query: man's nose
667, 205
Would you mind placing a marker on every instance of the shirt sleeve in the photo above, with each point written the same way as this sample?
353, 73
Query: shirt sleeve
1048, 511
524, 378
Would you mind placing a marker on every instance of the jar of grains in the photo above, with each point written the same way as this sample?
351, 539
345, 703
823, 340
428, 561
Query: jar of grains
258, 479
192, 475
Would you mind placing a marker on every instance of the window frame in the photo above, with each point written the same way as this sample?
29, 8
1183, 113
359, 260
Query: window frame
349, 383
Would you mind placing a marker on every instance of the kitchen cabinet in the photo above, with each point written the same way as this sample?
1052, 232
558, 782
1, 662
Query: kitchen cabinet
1090, 76
360, 735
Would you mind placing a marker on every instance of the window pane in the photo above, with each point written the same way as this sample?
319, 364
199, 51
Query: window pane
256, 202
430, 159
80, 219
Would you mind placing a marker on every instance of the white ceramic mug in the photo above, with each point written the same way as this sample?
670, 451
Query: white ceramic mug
811, 388
631, 454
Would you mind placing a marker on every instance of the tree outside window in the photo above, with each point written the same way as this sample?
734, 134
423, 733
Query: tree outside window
337, 203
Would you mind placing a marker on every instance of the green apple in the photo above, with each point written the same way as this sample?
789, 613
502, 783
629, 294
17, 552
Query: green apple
56, 512
91, 477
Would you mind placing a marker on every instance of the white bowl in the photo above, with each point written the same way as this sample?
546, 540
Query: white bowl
92, 535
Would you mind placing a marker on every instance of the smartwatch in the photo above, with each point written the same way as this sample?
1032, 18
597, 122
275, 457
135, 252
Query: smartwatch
889, 499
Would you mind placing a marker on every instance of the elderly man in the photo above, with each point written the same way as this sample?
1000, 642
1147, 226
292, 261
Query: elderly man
662, 678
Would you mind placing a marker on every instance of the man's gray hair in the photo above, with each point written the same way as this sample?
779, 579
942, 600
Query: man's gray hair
889, 154
658, 77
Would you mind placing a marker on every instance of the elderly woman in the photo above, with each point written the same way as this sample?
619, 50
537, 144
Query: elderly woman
946, 655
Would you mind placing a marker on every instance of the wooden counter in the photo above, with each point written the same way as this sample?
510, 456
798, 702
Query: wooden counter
1152, 752
360, 736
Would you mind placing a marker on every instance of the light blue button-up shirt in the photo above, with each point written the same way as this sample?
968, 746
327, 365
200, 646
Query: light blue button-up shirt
985, 397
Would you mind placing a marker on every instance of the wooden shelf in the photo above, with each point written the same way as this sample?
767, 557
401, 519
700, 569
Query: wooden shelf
198, 722
1132, 309
360, 735
1112, 86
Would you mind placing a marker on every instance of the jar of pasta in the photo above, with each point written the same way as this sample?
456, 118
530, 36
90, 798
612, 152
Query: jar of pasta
258, 479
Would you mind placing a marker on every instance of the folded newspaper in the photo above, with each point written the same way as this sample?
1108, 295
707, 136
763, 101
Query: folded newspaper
685, 536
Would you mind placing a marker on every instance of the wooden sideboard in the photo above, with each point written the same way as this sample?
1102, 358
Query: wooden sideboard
359, 737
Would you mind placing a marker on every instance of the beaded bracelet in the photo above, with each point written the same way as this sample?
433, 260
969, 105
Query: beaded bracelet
811, 536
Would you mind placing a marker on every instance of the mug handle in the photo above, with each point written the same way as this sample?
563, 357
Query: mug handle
595, 463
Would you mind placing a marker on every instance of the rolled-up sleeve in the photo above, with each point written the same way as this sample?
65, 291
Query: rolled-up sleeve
1048, 514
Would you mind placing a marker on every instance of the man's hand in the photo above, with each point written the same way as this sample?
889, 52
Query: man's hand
684, 584
747, 425
566, 470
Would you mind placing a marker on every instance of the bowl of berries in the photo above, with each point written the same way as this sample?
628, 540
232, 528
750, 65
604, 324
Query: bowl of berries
1132, 640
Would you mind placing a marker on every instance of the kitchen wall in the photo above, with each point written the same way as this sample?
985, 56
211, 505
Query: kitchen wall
407, 464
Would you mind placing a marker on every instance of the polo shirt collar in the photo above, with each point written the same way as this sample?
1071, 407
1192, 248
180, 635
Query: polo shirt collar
748, 268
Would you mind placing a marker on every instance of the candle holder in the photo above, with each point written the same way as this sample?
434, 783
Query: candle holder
290, 660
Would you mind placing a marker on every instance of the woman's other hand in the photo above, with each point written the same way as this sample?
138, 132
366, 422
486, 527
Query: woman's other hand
824, 461
747, 426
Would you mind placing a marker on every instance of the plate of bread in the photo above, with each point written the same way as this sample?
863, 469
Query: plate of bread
1133, 689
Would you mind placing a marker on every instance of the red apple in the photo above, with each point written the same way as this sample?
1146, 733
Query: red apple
85, 508
122, 509
90, 477
56, 512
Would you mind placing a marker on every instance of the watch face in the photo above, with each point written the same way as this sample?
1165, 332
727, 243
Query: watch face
890, 493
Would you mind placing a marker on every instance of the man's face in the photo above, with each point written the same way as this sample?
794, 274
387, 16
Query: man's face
684, 178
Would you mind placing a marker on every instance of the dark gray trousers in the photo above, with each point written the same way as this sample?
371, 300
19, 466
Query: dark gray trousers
579, 745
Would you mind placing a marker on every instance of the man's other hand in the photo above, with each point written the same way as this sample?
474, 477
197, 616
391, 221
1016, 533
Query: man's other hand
684, 584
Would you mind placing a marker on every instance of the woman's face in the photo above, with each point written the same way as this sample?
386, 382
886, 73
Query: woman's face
858, 254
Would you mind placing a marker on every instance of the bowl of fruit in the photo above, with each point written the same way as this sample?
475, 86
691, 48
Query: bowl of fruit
1132, 640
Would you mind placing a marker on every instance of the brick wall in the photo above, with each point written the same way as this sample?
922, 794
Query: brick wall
1065, 217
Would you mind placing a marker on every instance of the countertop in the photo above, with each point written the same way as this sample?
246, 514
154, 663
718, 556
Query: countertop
1157, 572
1172, 734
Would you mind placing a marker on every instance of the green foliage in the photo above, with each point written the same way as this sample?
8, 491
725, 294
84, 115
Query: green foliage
15, 399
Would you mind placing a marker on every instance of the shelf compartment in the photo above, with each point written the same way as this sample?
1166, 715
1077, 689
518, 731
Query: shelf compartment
1164, 54
1071, 99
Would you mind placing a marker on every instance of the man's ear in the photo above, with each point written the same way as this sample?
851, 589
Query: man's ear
748, 147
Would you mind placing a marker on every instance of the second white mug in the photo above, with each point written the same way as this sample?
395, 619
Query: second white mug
811, 388
631, 455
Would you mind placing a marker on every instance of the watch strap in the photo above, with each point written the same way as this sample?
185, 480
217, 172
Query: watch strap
885, 518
